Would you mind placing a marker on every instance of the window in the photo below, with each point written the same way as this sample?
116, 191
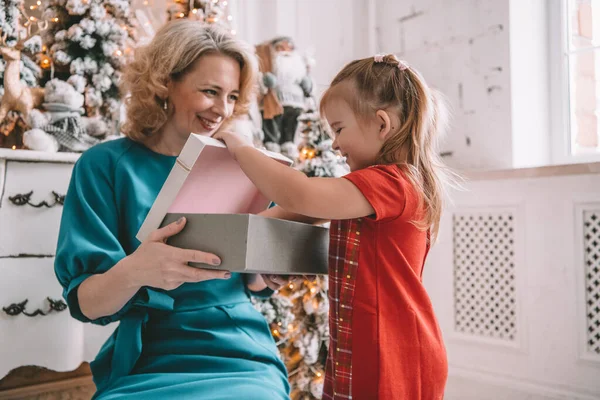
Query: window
580, 80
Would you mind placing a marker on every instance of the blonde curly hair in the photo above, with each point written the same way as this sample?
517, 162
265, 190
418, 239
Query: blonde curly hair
169, 56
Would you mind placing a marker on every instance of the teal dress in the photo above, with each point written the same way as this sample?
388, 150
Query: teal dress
200, 341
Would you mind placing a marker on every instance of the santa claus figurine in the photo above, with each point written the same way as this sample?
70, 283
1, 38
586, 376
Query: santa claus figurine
285, 85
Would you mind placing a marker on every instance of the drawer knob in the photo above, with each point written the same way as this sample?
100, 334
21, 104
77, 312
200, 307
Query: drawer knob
19, 308
25, 199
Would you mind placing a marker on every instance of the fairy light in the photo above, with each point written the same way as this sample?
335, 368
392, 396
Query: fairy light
45, 62
291, 286
319, 374
181, 15
14, 147
119, 53
233, 32
194, 11
230, 18
312, 290
55, 19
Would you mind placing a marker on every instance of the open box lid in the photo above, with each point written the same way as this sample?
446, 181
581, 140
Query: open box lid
206, 180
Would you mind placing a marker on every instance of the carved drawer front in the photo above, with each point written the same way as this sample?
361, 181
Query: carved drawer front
35, 325
31, 206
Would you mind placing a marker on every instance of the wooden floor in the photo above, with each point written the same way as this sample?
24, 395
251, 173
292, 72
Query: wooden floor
34, 383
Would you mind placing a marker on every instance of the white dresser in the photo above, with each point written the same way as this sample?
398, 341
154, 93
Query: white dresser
35, 326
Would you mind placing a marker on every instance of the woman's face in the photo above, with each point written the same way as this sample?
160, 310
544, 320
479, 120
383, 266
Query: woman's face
204, 97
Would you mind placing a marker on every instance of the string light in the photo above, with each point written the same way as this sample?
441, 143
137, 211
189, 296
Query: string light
45, 62
233, 32
14, 147
55, 19
194, 11
119, 53
307, 153
229, 18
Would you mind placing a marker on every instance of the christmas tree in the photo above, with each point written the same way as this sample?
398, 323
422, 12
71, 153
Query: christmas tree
89, 42
317, 157
298, 317
208, 11
298, 313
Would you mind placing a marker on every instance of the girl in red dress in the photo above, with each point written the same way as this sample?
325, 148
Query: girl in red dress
385, 340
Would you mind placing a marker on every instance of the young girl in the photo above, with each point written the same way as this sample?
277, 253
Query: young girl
385, 340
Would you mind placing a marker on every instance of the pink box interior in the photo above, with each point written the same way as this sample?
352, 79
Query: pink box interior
217, 185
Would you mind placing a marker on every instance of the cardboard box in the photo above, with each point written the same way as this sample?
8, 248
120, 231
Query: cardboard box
208, 187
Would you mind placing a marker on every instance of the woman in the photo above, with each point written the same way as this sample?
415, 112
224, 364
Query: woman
184, 332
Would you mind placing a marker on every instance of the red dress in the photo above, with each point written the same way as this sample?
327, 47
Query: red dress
385, 339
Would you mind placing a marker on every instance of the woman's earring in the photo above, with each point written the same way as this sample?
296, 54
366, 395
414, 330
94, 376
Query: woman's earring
166, 105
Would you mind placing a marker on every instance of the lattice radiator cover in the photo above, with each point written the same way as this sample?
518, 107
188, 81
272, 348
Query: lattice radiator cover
591, 246
485, 302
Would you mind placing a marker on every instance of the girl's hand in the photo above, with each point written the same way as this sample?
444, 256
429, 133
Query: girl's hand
159, 265
234, 141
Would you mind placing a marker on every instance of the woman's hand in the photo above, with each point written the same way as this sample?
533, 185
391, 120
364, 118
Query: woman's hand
159, 265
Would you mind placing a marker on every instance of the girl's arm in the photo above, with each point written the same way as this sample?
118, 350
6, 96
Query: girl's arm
322, 198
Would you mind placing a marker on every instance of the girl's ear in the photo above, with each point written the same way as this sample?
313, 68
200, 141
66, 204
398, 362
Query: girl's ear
384, 122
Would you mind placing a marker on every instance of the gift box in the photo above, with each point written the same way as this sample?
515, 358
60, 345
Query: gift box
220, 203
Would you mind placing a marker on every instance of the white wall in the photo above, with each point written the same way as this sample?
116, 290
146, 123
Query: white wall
462, 48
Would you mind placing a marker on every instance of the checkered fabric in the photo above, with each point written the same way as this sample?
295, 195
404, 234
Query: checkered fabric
70, 134
343, 265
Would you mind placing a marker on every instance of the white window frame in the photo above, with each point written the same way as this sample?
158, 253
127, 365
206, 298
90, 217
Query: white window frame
560, 97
